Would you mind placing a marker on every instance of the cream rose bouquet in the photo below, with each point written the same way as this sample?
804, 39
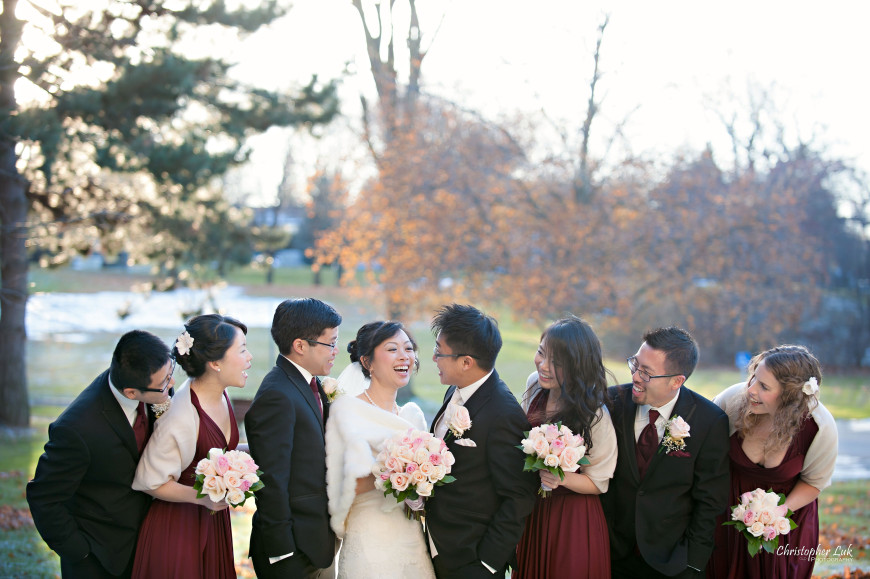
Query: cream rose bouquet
762, 517
410, 465
232, 477
554, 448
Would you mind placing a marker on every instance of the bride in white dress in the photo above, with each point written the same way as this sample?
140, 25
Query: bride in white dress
378, 540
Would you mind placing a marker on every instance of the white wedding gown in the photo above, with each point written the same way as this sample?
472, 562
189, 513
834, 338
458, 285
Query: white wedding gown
378, 541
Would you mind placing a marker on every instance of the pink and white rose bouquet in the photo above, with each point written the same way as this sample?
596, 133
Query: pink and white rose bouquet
410, 465
553, 447
762, 517
231, 476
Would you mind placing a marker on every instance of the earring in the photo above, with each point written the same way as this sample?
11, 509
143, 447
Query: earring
218, 369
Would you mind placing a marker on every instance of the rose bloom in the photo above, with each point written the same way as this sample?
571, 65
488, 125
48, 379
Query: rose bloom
769, 533
329, 385
550, 432
565, 431
394, 464
780, 510
399, 481
232, 479
542, 447
737, 513
528, 446
245, 486
782, 526
213, 486
205, 466
426, 468
766, 516
235, 497
577, 441
417, 477
678, 428
421, 454
222, 465
251, 477
557, 447
551, 460
748, 517
434, 445
438, 472
756, 528
569, 459
405, 454
460, 420
434, 458
424, 489
745, 498
447, 458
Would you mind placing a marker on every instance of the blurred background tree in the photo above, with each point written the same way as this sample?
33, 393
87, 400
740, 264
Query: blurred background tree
138, 116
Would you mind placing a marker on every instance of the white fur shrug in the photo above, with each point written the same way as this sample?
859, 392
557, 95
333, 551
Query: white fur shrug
354, 432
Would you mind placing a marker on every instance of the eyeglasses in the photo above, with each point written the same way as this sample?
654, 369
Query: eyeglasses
165, 384
644, 375
332, 346
438, 354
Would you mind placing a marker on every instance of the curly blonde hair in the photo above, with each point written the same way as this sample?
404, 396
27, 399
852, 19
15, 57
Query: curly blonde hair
792, 366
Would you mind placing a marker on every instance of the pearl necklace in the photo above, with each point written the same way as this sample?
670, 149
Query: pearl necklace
395, 409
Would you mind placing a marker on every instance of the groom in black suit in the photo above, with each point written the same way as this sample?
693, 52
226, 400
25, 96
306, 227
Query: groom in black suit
475, 523
81, 498
663, 500
290, 535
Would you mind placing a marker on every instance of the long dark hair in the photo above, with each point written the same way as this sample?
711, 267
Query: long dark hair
575, 352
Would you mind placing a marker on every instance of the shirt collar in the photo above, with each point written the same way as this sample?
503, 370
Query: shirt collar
128, 406
664, 410
305, 373
468, 391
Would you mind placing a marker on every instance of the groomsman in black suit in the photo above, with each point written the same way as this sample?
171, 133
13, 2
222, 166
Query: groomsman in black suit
666, 491
475, 523
290, 535
81, 497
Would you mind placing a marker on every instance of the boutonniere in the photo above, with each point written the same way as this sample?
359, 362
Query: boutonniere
458, 422
331, 389
160, 409
676, 431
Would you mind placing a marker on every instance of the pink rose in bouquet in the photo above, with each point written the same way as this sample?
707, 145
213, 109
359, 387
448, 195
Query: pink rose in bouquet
554, 448
761, 517
232, 477
410, 465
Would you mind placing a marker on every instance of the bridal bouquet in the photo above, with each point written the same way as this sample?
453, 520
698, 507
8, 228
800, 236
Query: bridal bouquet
553, 447
230, 476
410, 465
762, 517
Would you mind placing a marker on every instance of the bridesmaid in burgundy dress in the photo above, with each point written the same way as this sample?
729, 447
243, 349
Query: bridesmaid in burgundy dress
183, 536
782, 439
566, 534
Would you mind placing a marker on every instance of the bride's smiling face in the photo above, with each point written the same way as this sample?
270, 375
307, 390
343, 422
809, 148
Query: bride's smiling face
393, 360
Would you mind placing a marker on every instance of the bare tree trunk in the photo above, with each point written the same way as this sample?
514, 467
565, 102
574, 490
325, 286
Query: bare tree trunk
14, 406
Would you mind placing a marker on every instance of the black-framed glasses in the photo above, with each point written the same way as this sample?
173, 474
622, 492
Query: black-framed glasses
438, 354
165, 384
644, 375
332, 346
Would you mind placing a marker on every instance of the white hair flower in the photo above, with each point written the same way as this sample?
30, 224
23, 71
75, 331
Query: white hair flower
811, 387
184, 343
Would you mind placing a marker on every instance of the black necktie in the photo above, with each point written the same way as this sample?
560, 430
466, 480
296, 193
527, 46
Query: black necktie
316, 393
647, 443
140, 427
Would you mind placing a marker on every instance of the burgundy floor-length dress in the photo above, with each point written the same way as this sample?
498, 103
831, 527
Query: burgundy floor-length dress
730, 557
566, 534
184, 540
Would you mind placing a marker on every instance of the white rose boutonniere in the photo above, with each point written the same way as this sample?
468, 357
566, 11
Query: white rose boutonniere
459, 420
330, 388
676, 431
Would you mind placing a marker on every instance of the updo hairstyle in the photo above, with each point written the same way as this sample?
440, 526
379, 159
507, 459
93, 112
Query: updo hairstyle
212, 334
372, 335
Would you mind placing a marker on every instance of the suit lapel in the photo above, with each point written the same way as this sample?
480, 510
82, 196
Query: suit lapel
297, 380
114, 415
482, 395
447, 396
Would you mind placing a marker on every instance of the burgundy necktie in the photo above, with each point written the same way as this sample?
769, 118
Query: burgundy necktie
316, 392
140, 427
647, 443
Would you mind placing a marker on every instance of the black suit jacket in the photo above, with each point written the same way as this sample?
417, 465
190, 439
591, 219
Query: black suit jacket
81, 497
286, 438
481, 515
671, 513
